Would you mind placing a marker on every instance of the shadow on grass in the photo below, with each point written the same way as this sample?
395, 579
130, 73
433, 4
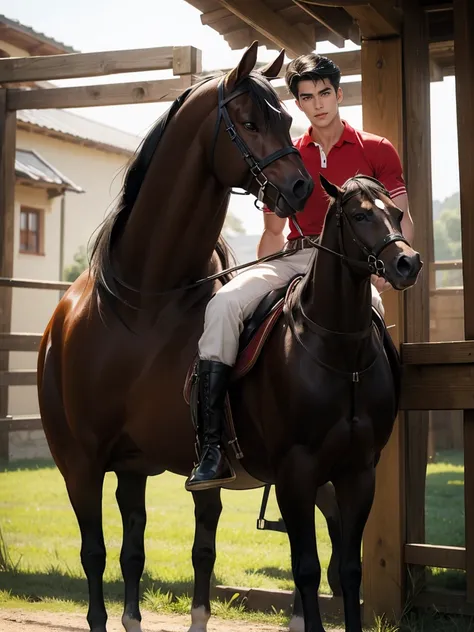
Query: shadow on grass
271, 571
38, 586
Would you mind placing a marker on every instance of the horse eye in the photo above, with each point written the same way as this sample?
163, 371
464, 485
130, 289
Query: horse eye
359, 217
250, 126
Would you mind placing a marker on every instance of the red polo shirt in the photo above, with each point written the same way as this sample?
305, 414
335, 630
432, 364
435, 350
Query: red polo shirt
355, 152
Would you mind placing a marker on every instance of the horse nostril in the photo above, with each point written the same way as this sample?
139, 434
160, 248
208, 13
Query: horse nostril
300, 189
406, 265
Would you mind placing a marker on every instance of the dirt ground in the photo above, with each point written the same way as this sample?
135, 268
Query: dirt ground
28, 621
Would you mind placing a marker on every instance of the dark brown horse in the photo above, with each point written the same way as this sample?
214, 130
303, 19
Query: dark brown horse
114, 356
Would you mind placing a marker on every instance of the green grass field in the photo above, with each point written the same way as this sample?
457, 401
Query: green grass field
42, 539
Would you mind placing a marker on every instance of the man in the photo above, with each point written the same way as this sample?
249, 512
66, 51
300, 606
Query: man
332, 147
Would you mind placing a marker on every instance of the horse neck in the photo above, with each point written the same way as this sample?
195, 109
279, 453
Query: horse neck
334, 297
178, 214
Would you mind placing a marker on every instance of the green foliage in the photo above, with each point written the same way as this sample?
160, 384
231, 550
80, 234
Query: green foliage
80, 264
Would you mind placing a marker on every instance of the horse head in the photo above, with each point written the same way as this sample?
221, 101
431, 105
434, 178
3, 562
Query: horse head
251, 145
370, 236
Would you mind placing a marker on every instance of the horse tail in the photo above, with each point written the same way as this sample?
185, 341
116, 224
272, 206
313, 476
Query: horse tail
226, 257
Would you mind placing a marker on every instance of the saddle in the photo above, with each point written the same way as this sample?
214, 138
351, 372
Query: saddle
252, 339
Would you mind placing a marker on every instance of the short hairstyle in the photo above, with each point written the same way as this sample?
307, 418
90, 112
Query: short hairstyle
311, 68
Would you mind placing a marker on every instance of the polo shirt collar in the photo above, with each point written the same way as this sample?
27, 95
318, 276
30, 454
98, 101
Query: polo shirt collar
348, 136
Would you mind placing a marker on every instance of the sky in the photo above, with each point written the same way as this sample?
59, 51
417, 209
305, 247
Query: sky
99, 25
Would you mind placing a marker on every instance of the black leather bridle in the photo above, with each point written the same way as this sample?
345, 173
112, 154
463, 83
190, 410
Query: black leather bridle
255, 165
373, 265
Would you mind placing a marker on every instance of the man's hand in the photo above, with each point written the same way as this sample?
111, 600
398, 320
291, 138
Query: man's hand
380, 283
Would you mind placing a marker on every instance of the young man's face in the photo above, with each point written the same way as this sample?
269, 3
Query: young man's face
319, 101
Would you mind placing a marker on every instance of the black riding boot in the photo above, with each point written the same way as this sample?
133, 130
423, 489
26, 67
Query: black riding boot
214, 468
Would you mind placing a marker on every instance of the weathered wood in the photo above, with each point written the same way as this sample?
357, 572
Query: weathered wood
438, 353
21, 377
464, 59
33, 284
258, 16
187, 60
438, 387
436, 556
334, 20
49, 67
105, 94
21, 422
417, 168
376, 19
19, 342
7, 221
384, 538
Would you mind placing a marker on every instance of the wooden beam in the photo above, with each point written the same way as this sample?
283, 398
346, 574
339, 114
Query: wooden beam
461, 352
105, 94
21, 422
417, 168
52, 67
265, 21
334, 20
464, 59
376, 19
436, 556
19, 342
437, 387
21, 377
7, 223
8, 282
384, 538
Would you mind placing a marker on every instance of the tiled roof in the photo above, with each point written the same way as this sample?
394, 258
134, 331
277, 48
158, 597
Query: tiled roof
79, 127
22, 28
31, 166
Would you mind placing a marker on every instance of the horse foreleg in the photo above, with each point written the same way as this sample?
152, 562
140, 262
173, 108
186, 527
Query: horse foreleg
130, 496
355, 494
296, 495
327, 503
207, 510
84, 487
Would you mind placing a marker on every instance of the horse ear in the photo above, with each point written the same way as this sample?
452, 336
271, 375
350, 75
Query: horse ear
244, 67
331, 189
272, 70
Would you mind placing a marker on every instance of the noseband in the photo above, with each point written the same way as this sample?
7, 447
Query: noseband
256, 166
373, 264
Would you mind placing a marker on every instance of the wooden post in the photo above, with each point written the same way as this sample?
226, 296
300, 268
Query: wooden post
383, 566
464, 60
416, 82
7, 217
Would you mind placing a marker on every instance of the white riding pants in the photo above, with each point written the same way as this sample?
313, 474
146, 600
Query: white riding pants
238, 299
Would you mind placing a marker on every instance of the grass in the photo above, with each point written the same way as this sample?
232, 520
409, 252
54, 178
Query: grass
39, 544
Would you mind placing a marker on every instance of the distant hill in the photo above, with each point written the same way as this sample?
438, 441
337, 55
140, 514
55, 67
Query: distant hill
451, 202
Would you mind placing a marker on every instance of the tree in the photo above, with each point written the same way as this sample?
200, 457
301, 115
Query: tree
80, 264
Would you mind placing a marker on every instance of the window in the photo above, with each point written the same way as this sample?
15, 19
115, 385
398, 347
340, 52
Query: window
30, 224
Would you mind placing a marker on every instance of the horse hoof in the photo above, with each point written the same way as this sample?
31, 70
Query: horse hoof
131, 625
296, 624
199, 619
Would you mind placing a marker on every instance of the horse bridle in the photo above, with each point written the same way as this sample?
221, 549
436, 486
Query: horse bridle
256, 166
373, 265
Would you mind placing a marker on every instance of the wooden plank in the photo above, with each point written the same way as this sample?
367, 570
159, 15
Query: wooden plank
21, 377
21, 422
461, 352
334, 20
417, 169
352, 93
438, 387
258, 16
187, 60
50, 67
19, 342
384, 538
7, 223
464, 60
436, 556
33, 284
376, 19
105, 94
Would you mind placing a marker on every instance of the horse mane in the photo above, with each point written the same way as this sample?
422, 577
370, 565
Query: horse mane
265, 98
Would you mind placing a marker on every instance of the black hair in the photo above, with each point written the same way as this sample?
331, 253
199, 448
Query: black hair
311, 68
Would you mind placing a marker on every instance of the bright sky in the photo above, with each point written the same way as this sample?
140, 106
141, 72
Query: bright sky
95, 25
